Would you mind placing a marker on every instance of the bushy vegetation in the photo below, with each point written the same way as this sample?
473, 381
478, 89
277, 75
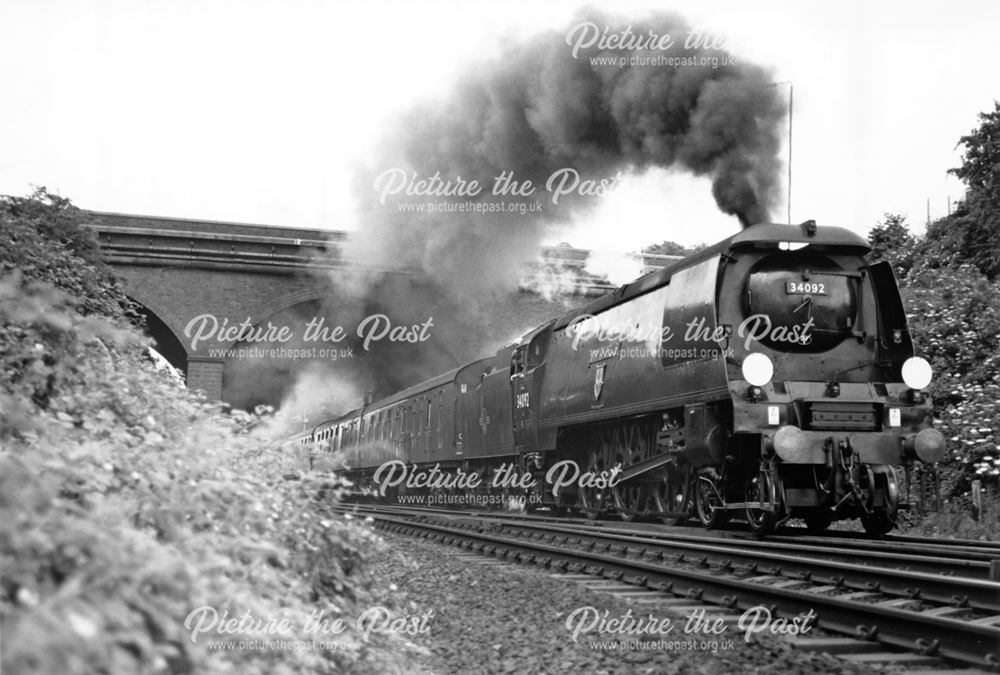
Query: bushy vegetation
129, 502
44, 240
954, 311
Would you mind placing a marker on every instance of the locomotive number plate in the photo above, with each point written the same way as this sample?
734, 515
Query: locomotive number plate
805, 287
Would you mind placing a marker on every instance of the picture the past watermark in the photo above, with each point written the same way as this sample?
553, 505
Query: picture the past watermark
695, 630
319, 630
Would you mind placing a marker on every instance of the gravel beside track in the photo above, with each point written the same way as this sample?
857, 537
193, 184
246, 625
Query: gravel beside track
506, 618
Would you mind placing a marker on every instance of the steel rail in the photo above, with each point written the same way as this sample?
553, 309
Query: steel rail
964, 641
922, 558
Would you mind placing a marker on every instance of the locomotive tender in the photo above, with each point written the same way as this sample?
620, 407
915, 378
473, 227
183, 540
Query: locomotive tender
769, 376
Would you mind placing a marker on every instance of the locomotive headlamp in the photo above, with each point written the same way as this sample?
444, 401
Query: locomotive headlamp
916, 372
757, 369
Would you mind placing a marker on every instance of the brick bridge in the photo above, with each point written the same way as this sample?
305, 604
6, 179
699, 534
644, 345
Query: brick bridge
178, 269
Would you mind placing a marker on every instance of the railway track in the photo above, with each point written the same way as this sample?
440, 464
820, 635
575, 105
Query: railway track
974, 559
934, 601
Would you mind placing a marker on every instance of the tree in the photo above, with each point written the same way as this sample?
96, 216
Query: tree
892, 240
980, 168
972, 232
672, 248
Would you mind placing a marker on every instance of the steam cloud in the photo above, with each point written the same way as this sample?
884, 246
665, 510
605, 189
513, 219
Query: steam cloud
540, 107
544, 105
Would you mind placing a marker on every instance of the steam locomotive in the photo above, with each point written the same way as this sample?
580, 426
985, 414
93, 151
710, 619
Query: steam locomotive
770, 376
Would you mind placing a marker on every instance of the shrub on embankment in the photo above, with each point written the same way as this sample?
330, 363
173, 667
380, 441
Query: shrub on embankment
954, 315
129, 502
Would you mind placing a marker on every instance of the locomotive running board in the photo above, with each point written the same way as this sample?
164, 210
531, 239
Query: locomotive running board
644, 467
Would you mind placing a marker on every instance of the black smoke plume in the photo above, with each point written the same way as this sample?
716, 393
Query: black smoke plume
540, 107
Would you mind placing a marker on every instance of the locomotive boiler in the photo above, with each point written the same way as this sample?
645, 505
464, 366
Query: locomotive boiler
770, 376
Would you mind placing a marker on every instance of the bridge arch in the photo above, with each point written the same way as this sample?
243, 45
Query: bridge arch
165, 338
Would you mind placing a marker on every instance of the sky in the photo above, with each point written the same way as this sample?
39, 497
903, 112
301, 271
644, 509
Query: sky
258, 110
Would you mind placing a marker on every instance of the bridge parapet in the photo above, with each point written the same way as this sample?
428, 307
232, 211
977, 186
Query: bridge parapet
267, 249
133, 240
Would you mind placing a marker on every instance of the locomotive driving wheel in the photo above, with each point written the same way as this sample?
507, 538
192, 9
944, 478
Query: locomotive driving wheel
671, 494
763, 498
709, 503
629, 444
631, 500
